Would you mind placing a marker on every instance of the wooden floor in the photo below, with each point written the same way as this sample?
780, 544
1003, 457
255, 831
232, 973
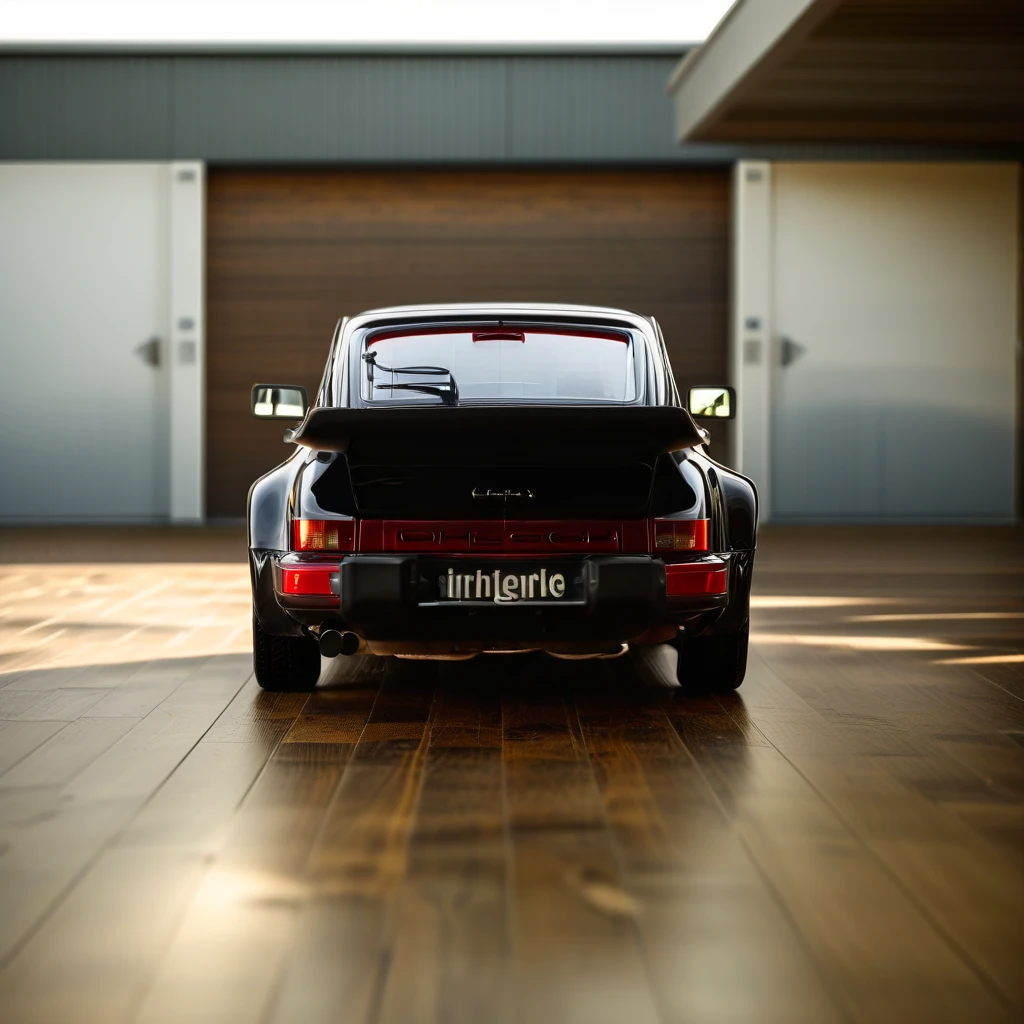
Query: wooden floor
514, 839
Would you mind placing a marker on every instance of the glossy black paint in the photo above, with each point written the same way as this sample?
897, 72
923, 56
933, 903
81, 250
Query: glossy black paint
726, 498
520, 430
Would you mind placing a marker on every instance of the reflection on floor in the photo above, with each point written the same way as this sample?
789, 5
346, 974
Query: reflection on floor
516, 838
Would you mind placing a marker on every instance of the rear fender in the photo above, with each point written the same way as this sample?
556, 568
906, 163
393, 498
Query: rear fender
271, 505
733, 503
272, 617
272, 501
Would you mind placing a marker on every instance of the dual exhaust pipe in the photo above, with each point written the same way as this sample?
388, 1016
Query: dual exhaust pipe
334, 642
337, 641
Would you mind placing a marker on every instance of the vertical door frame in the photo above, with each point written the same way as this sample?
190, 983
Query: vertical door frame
187, 342
751, 344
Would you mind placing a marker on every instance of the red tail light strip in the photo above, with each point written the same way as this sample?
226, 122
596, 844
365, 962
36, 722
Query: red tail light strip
665, 537
686, 578
525, 536
307, 580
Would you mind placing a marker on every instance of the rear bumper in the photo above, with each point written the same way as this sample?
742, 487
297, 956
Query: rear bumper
392, 598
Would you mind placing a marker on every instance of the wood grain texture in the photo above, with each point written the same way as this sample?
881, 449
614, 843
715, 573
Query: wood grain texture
519, 838
291, 252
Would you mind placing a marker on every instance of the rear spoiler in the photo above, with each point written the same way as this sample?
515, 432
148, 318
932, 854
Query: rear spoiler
515, 431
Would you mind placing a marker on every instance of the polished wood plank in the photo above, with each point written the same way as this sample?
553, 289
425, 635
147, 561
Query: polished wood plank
45, 848
240, 926
449, 947
877, 949
67, 753
576, 948
64, 705
136, 765
919, 843
342, 954
140, 692
517, 837
718, 944
19, 739
102, 941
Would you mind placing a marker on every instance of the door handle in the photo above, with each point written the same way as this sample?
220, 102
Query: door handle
791, 351
149, 351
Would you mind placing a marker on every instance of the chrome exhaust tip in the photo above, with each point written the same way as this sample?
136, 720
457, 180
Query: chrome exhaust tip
334, 642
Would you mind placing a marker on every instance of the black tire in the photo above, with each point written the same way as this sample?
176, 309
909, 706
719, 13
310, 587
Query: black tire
284, 664
713, 663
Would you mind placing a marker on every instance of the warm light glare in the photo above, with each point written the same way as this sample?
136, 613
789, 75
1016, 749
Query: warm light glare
937, 616
814, 601
224, 888
986, 659
857, 643
174, 612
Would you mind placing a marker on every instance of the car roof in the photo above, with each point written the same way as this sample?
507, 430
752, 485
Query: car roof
438, 314
494, 308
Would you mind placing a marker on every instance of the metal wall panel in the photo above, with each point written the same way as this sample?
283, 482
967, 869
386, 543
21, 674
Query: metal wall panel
358, 108
591, 108
299, 109
84, 108
349, 108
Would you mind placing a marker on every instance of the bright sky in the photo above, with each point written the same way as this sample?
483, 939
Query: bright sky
360, 21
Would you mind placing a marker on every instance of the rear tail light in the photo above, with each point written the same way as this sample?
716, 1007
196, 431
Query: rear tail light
696, 578
308, 580
680, 535
324, 534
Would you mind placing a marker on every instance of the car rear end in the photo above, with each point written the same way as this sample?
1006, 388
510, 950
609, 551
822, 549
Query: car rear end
498, 485
451, 587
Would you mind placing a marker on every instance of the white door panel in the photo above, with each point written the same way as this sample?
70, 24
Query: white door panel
83, 272
898, 282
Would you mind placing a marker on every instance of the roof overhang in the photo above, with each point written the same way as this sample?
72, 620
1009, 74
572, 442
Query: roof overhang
914, 71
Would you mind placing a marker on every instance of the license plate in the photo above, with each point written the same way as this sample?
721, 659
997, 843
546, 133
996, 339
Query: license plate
506, 585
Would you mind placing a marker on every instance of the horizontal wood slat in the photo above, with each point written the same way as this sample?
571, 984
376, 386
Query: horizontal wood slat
290, 252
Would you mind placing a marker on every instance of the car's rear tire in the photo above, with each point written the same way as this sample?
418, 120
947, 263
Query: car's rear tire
284, 664
714, 663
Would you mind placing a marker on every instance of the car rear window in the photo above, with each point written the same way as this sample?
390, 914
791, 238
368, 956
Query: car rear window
541, 365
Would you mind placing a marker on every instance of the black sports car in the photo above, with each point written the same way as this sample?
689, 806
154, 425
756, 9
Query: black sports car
474, 479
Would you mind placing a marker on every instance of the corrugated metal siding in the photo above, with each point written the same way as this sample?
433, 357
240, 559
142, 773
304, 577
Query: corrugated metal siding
357, 108
347, 108
591, 108
84, 108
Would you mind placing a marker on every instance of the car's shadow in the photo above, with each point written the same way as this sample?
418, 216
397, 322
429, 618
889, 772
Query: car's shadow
643, 677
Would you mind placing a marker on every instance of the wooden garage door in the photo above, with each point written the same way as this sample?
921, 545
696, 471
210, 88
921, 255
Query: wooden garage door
291, 252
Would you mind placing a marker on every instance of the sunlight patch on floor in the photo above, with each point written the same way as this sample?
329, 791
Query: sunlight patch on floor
818, 601
985, 659
858, 643
937, 616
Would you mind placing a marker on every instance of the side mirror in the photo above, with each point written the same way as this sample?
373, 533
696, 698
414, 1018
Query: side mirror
279, 401
717, 403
